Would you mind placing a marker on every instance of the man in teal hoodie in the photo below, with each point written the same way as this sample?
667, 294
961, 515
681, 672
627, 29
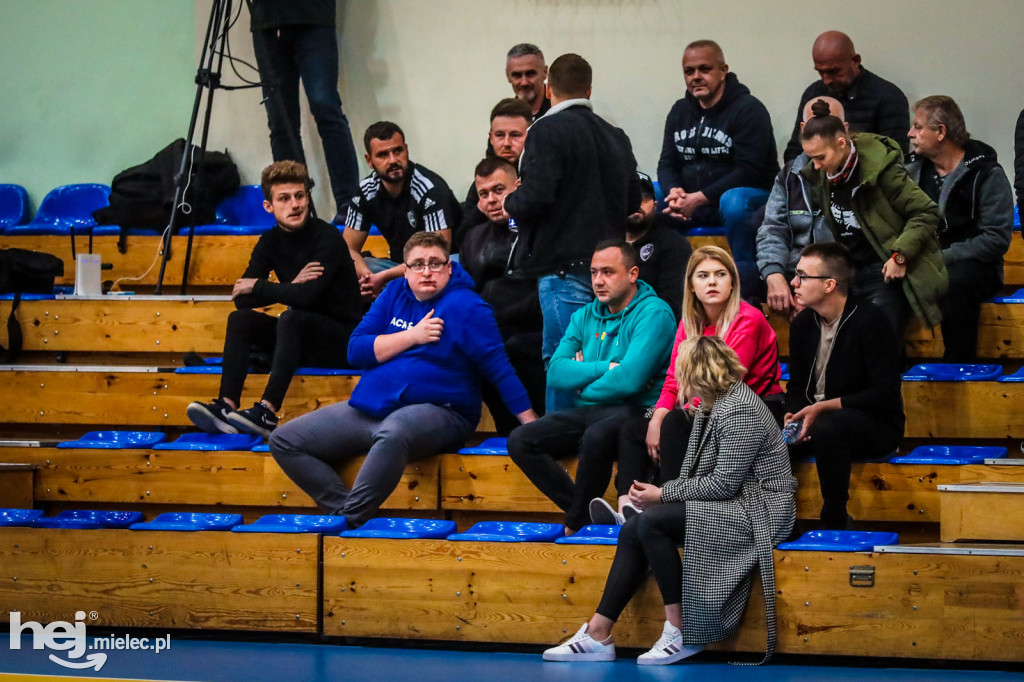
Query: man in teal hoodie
613, 354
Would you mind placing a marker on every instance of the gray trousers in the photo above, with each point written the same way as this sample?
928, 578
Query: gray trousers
308, 449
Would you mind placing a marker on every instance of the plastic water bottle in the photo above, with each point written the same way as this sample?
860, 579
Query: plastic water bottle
791, 431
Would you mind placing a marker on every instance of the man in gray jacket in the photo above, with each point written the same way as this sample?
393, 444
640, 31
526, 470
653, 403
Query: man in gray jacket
975, 201
791, 222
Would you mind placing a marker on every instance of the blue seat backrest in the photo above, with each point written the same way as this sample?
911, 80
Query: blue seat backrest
72, 206
13, 206
244, 206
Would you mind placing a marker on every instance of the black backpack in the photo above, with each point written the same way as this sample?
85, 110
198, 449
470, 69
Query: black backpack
142, 196
24, 272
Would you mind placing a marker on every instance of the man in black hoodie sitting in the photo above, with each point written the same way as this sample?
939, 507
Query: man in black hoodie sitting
718, 158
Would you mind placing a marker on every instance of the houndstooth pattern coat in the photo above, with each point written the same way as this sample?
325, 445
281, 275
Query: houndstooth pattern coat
738, 489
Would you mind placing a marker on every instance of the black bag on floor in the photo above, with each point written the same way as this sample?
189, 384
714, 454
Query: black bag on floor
24, 272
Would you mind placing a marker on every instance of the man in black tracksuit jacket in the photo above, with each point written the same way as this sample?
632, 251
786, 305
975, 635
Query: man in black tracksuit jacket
579, 183
718, 157
844, 373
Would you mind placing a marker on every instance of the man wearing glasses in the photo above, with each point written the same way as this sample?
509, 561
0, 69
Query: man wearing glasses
844, 385
425, 346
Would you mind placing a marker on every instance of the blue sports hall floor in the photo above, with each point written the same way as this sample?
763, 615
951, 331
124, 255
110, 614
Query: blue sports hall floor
207, 660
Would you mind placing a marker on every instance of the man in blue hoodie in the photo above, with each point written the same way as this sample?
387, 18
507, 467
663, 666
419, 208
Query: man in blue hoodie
611, 358
425, 345
718, 157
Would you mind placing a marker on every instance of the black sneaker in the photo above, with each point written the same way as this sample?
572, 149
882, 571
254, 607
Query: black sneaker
211, 417
257, 420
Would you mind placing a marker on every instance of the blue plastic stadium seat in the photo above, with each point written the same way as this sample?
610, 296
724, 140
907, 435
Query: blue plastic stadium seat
659, 196
491, 446
953, 372
116, 440
115, 231
510, 531
784, 368
239, 213
1015, 297
13, 206
190, 521
18, 517
592, 535
841, 541
1016, 377
1016, 217
705, 231
262, 447
951, 454
64, 208
29, 297
212, 441
89, 518
420, 529
293, 523
199, 369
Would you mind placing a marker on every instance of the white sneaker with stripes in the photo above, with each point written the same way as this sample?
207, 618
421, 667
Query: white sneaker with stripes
582, 647
669, 648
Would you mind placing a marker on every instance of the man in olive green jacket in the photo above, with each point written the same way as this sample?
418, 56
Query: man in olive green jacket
898, 220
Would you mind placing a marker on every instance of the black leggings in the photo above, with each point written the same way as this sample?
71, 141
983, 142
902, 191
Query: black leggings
636, 464
295, 338
648, 539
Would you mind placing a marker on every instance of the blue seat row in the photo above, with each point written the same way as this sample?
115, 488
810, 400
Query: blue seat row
69, 208
398, 528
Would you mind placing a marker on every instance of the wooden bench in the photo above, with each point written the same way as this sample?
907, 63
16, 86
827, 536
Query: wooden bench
191, 479
947, 606
217, 261
163, 579
140, 396
16, 484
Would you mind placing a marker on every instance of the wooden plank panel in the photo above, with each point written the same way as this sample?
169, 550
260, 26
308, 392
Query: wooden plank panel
976, 515
1013, 263
880, 491
123, 325
469, 591
16, 481
205, 580
196, 478
968, 409
1001, 330
495, 483
142, 398
216, 260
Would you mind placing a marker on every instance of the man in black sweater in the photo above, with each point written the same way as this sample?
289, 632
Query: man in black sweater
315, 279
718, 157
579, 183
872, 104
844, 386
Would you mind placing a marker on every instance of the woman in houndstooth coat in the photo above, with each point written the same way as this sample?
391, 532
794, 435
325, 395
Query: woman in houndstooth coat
731, 504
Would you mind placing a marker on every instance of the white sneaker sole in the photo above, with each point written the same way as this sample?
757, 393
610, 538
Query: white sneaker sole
602, 657
684, 653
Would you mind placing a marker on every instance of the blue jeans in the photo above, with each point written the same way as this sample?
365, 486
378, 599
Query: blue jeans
379, 264
735, 211
309, 449
560, 296
284, 56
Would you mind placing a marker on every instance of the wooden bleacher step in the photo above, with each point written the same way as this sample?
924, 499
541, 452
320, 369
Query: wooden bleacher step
984, 510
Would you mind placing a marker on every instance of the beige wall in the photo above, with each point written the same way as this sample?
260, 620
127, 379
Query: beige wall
436, 67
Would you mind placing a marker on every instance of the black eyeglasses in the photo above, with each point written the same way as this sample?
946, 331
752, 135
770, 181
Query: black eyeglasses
419, 266
800, 277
